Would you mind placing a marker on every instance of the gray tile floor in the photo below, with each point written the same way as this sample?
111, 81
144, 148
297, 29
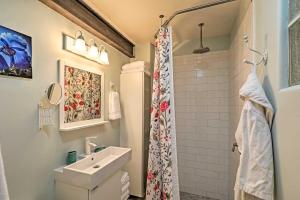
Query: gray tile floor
183, 196
188, 196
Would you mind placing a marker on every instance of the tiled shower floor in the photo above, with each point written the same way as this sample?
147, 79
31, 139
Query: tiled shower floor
188, 196
183, 196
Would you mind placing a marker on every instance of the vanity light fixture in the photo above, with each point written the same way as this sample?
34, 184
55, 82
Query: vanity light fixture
80, 42
104, 56
93, 49
90, 50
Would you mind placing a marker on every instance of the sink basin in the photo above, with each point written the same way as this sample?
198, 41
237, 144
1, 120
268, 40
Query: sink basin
95, 168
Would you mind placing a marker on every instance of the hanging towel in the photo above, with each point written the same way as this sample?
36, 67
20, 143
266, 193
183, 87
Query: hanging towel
3, 184
255, 175
114, 106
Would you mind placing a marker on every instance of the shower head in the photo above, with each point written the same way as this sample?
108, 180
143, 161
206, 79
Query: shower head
201, 48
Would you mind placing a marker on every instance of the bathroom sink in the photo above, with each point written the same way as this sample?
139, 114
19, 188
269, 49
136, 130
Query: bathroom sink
95, 168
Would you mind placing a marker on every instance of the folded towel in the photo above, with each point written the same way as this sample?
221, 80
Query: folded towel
141, 65
3, 184
124, 174
136, 70
124, 178
125, 196
114, 106
125, 187
125, 193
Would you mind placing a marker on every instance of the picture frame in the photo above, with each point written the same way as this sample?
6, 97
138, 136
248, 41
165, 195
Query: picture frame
15, 54
82, 104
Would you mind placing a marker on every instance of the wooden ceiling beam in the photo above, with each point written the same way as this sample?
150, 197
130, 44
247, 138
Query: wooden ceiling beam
81, 14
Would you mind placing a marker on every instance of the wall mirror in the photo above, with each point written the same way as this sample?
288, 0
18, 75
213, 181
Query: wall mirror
54, 93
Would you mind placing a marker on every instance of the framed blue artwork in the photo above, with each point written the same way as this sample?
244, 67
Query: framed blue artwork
15, 54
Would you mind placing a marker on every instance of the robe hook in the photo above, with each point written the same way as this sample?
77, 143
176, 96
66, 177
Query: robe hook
264, 56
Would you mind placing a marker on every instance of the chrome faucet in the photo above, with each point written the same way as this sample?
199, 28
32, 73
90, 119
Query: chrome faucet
89, 144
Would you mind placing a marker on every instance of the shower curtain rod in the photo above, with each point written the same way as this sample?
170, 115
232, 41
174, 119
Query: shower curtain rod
192, 9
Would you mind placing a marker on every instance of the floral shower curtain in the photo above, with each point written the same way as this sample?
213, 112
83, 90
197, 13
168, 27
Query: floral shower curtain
162, 177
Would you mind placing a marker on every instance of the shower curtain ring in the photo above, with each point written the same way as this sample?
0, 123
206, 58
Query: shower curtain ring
161, 18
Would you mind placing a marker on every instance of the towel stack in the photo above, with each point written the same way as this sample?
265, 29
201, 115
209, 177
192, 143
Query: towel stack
136, 66
125, 186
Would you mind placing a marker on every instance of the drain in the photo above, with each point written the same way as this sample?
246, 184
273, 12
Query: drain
96, 166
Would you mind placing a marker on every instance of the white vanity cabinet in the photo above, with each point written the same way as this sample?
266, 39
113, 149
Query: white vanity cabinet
110, 189
96, 177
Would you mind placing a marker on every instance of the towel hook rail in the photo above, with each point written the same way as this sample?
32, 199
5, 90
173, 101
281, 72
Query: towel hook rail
264, 56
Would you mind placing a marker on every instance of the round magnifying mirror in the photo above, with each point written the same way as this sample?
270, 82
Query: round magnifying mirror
54, 93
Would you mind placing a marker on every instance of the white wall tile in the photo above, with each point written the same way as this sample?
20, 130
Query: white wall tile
202, 89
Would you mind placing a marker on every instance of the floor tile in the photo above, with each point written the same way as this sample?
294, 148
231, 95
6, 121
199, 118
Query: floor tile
183, 196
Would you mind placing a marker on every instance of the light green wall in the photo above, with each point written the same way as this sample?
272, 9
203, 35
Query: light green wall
31, 155
270, 25
244, 6
145, 52
214, 43
142, 52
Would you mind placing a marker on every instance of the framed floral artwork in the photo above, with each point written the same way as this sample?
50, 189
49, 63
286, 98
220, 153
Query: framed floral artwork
83, 96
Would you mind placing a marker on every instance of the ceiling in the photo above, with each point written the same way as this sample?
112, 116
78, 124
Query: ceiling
139, 21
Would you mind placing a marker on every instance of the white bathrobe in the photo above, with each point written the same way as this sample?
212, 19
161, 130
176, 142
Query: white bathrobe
3, 185
255, 175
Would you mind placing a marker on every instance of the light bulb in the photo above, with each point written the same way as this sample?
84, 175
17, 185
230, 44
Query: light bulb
104, 57
93, 50
80, 43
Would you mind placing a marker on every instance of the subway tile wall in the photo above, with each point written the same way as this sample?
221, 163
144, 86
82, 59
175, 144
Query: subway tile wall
202, 123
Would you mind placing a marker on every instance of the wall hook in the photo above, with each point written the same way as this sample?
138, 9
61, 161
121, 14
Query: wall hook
264, 55
112, 86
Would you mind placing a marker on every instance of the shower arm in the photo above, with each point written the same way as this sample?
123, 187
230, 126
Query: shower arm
202, 6
201, 37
